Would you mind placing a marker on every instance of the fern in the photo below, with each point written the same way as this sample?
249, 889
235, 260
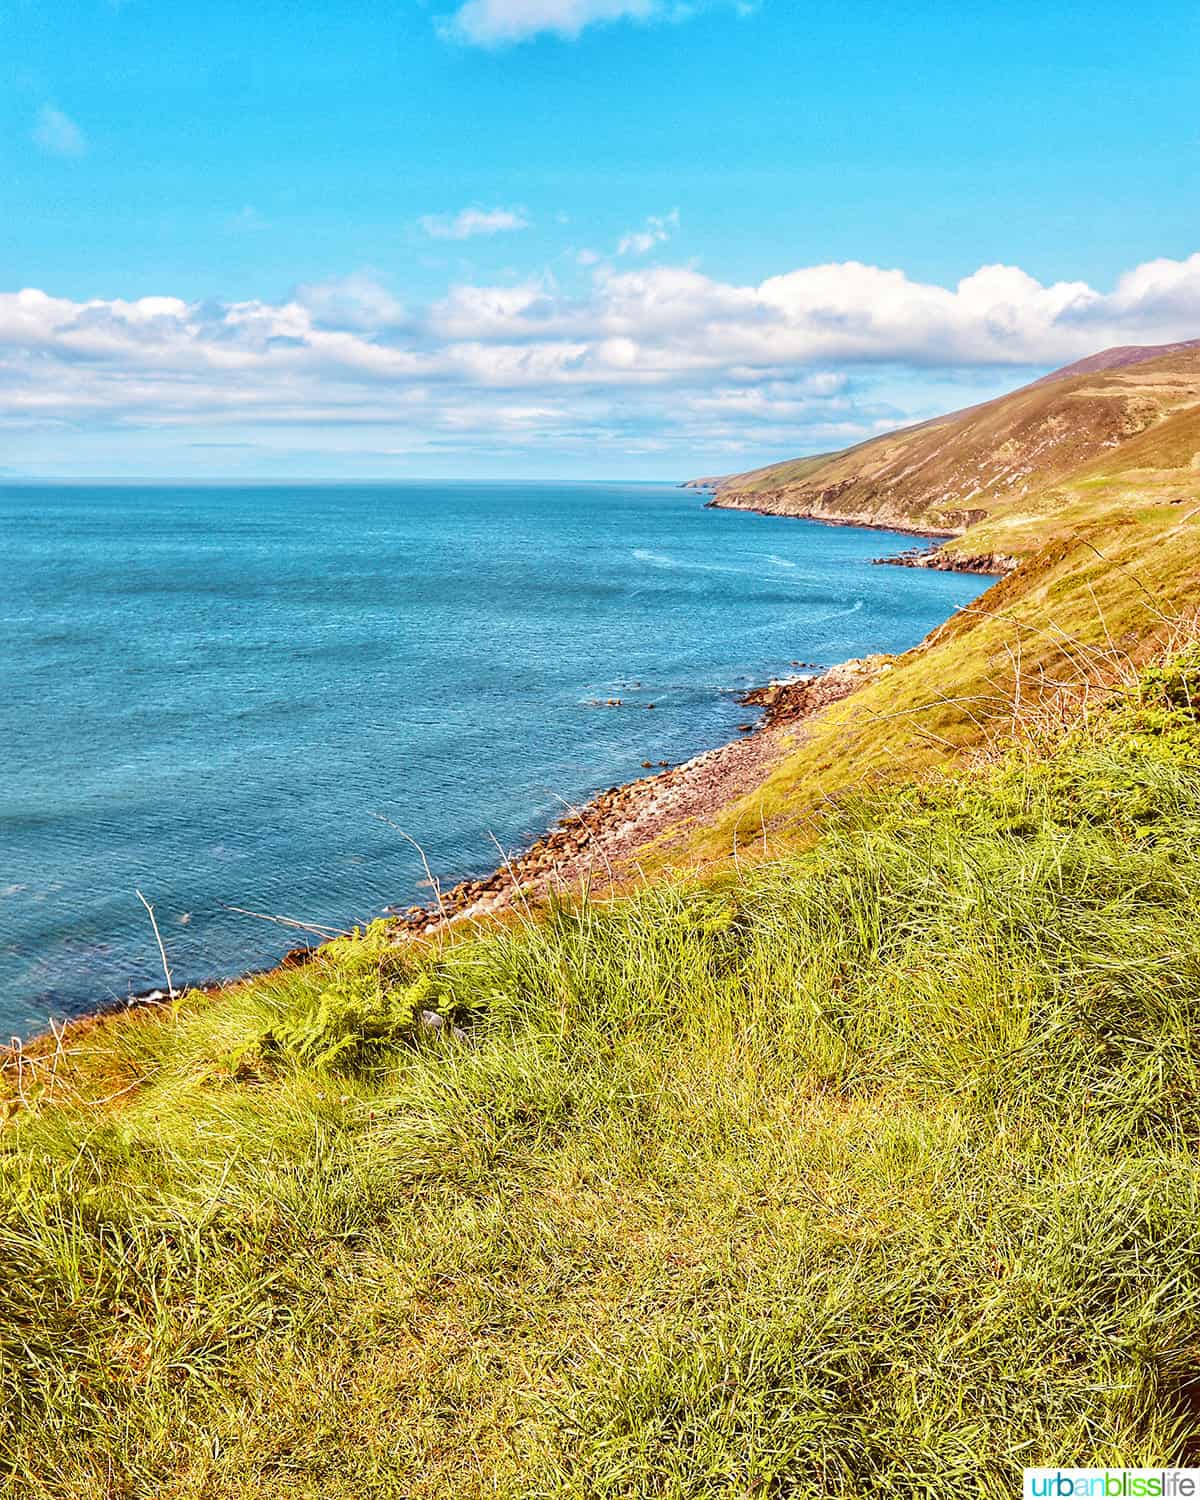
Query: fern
354, 1022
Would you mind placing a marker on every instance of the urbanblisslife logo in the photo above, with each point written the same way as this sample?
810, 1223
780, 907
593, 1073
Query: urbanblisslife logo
1111, 1484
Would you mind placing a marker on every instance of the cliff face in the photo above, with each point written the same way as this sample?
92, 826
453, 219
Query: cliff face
946, 475
878, 510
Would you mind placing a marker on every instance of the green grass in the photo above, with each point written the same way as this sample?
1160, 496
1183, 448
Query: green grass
1109, 576
867, 1170
1110, 565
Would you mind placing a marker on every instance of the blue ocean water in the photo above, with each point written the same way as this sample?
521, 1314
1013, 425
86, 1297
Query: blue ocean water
208, 691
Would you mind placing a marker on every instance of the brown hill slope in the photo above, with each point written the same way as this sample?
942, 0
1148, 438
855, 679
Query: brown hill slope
1119, 358
955, 471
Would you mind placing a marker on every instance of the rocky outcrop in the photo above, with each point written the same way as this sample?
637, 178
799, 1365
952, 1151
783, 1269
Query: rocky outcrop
992, 564
790, 698
879, 517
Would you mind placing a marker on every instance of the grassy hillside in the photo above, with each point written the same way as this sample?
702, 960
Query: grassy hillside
869, 1170
1110, 566
946, 474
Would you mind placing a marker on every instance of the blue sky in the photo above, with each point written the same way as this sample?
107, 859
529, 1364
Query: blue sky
569, 237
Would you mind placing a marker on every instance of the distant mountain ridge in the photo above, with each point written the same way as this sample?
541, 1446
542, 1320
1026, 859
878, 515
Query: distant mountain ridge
944, 475
1119, 358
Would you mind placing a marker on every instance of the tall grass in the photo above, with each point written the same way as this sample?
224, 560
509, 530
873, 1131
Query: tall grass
867, 1171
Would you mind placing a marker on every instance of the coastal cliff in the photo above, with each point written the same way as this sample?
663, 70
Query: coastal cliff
874, 509
942, 477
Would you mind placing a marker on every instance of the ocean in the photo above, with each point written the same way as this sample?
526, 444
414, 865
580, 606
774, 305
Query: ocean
208, 692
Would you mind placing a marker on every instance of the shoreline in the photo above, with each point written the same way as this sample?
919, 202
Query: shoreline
944, 534
598, 841
595, 843
592, 841
986, 564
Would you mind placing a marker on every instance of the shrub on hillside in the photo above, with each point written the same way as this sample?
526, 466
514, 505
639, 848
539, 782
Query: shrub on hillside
369, 1005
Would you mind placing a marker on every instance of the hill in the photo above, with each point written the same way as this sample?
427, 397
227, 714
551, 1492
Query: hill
874, 1163
947, 474
1119, 357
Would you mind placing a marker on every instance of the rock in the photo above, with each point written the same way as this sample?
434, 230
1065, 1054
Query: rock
993, 564
429, 1020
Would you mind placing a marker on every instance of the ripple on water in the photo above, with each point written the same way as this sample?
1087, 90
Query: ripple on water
217, 687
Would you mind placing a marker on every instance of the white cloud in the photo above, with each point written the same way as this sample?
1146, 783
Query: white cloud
490, 23
358, 302
469, 222
498, 23
652, 355
657, 229
57, 133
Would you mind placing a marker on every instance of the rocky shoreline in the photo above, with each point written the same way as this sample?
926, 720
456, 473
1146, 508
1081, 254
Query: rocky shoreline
991, 564
599, 842
594, 842
860, 523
